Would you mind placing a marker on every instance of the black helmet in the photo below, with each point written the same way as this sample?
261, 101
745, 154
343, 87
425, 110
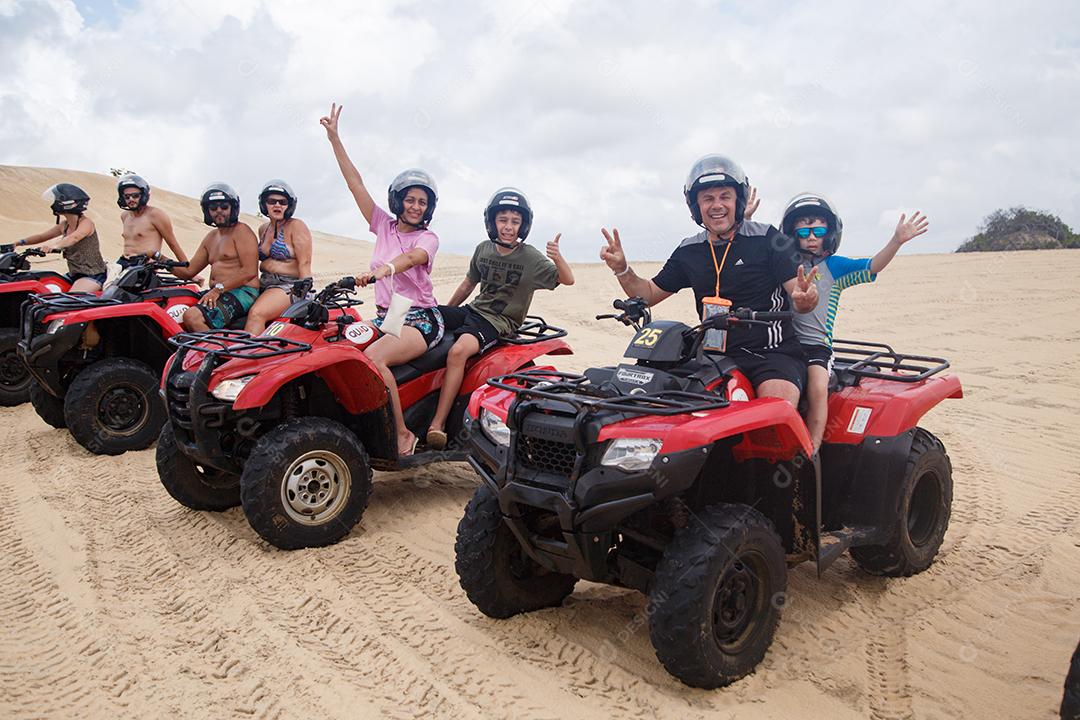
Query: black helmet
508, 198
815, 205
132, 180
716, 171
278, 187
413, 177
64, 198
217, 192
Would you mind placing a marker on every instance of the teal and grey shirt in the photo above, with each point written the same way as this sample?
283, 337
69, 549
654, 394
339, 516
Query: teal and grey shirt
836, 273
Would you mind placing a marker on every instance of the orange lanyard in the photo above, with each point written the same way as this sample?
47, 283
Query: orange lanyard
719, 266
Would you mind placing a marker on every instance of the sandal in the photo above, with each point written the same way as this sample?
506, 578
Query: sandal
436, 439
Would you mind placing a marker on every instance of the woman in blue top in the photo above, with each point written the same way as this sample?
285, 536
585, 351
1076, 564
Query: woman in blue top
284, 254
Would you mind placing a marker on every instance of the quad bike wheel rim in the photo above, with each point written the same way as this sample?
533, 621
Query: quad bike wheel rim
924, 509
13, 374
123, 409
740, 601
316, 487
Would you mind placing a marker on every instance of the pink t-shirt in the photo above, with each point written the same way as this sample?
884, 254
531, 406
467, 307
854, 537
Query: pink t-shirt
414, 283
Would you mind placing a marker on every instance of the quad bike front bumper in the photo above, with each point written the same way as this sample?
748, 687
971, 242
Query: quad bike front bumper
47, 353
568, 521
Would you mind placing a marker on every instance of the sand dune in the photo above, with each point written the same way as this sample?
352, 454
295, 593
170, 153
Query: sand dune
118, 602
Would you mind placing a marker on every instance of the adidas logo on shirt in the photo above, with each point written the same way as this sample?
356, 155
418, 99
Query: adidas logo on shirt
739, 261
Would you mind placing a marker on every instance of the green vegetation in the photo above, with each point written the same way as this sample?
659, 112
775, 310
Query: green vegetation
1019, 228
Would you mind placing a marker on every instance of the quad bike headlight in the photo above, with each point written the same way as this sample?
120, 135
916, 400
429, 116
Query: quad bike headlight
494, 428
227, 390
631, 454
54, 326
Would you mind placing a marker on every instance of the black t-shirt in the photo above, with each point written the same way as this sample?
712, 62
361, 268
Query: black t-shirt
760, 261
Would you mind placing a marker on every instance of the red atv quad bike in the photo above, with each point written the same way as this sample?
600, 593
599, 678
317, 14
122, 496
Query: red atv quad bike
668, 476
17, 282
96, 359
290, 423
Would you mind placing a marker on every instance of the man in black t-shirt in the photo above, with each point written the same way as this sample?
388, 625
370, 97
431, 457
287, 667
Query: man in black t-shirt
756, 265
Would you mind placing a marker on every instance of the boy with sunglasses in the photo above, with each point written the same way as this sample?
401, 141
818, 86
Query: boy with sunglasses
814, 222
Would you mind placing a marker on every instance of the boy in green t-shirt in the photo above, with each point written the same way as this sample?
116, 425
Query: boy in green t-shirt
508, 272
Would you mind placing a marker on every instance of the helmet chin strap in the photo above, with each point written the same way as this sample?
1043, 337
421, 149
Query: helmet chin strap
500, 243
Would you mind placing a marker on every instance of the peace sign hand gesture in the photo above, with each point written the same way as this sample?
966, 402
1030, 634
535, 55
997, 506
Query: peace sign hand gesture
612, 253
330, 122
805, 293
752, 203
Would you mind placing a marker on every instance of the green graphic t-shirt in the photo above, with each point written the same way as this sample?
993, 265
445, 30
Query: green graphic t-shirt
507, 283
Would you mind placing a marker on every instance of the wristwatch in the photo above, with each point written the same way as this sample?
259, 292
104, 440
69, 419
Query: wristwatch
218, 286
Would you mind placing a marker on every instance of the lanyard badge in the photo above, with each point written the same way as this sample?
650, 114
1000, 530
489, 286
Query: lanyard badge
715, 338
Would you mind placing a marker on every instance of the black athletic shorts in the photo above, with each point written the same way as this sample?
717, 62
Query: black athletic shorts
466, 321
786, 362
819, 355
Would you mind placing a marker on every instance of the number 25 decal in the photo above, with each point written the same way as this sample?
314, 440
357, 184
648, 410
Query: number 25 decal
648, 337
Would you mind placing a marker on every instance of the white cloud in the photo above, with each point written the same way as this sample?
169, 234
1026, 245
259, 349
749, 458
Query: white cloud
595, 109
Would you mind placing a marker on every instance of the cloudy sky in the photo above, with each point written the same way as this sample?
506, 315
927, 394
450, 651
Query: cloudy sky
595, 109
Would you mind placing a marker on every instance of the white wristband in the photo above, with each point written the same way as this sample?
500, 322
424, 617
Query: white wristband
391, 266
620, 274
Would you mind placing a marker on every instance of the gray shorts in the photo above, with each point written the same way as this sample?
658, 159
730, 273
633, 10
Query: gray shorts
269, 280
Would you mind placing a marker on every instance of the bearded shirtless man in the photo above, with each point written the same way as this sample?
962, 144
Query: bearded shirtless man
231, 250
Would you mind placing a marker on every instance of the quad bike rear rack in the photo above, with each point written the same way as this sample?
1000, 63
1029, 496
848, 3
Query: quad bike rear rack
535, 329
878, 360
236, 344
62, 302
573, 390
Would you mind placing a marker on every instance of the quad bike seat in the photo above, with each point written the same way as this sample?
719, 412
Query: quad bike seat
433, 359
163, 293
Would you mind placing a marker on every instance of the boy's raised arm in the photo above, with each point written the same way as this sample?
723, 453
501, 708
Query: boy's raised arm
905, 230
566, 275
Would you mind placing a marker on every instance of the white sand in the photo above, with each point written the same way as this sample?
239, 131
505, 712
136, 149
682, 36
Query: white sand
118, 602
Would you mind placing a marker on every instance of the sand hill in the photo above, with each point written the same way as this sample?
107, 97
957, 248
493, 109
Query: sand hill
118, 602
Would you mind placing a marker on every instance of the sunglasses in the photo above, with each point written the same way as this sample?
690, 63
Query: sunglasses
277, 201
804, 232
133, 195
220, 205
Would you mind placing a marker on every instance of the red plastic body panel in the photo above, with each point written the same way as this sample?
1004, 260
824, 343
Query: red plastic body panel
352, 377
36, 287
502, 360
156, 312
773, 429
347, 372
884, 408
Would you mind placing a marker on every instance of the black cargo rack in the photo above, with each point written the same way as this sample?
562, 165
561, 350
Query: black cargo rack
575, 391
535, 329
236, 344
72, 301
878, 360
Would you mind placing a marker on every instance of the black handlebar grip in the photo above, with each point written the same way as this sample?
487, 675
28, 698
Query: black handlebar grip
178, 264
771, 316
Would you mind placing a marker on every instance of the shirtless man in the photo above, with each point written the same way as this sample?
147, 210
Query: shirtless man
145, 227
232, 252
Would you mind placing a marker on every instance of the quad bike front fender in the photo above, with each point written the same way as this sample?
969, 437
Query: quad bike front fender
771, 428
347, 372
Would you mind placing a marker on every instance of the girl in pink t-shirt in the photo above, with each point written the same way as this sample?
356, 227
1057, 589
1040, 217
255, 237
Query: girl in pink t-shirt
404, 248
